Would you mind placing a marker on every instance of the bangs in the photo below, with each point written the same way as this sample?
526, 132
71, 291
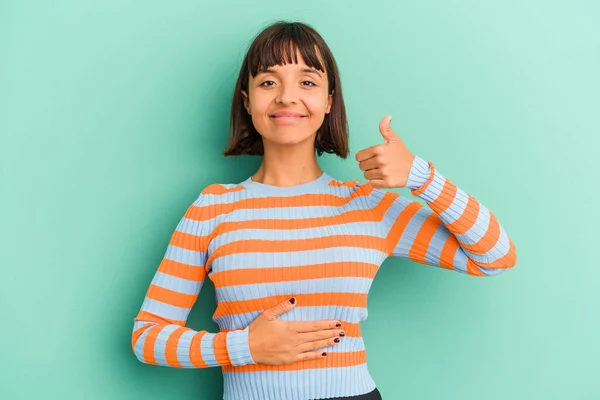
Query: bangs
282, 48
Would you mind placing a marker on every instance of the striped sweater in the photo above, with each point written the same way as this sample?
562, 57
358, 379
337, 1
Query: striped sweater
321, 242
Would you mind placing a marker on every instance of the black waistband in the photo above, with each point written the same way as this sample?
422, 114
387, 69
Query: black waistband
374, 395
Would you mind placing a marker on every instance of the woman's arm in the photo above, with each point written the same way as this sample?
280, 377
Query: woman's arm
456, 233
159, 334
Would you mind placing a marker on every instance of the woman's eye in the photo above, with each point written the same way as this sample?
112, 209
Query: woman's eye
266, 83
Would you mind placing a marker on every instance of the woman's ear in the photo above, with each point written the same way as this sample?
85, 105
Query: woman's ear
246, 101
329, 102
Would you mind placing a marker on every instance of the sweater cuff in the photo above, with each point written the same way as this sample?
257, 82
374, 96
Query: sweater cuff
419, 173
433, 188
238, 347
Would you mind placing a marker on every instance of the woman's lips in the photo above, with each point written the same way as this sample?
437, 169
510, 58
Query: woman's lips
287, 120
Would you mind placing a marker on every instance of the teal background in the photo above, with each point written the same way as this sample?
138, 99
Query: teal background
114, 115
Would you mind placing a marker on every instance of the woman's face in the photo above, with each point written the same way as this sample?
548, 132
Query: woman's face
288, 102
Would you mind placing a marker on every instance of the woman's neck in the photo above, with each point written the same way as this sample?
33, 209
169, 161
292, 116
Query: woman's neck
288, 167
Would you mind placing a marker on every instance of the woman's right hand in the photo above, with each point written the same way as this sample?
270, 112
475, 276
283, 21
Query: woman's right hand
276, 342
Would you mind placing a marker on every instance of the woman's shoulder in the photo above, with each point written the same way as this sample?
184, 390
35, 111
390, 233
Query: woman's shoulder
218, 189
350, 183
215, 193
209, 202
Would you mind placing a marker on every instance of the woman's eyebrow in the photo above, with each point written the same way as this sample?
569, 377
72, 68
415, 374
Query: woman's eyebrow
265, 71
311, 71
306, 70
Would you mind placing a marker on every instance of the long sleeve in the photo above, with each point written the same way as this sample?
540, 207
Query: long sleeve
456, 232
159, 335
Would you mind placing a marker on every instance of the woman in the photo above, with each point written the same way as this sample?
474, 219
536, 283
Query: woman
292, 251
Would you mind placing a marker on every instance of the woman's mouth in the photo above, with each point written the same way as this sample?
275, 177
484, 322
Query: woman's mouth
287, 119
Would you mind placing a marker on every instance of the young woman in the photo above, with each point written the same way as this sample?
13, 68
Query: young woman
291, 251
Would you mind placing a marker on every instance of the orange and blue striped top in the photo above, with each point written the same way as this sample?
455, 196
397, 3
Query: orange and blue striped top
321, 242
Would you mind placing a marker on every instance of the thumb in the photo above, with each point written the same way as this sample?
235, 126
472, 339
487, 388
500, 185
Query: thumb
386, 130
282, 308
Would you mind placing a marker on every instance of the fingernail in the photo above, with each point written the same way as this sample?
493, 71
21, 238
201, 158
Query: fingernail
337, 325
293, 300
342, 334
324, 354
337, 340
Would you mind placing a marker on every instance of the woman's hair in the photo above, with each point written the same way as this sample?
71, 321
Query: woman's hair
277, 45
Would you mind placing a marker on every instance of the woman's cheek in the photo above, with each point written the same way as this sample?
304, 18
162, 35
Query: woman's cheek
318, 107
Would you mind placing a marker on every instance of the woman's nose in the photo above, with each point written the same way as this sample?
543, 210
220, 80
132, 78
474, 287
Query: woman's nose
287, 94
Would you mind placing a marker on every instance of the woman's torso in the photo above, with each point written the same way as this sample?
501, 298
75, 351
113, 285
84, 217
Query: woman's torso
323, 248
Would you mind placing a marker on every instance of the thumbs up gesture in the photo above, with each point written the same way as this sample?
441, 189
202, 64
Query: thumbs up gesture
386, 165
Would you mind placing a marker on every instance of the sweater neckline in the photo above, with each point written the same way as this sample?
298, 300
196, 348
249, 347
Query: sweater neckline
311, 186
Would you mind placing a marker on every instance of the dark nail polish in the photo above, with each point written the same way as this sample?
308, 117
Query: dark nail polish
293, 300
342, 334
337, 325
337, 340
324, 354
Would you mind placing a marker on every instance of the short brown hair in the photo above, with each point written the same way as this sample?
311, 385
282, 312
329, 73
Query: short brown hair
277, 45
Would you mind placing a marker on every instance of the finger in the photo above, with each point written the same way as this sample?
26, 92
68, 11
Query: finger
378, 183
367, 153
368, 164
281, 308
310, 355
376, 173
312, 326
318, 344
306, 337
386, 130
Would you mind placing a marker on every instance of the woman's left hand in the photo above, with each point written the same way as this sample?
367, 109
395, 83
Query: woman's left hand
386, 165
